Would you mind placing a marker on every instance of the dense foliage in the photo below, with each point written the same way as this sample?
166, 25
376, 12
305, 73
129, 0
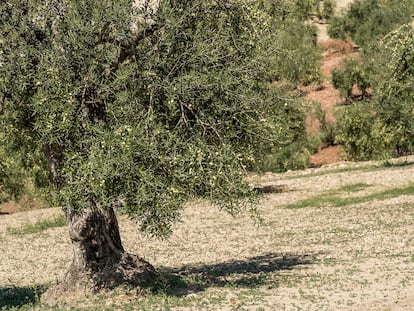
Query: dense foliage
378, 121
383, 126
366, 21
142, 109
296, 57
299, 9
323, 9
355, 75
23, 175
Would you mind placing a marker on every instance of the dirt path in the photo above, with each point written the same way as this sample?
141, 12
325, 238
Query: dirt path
352, 257
334, 52
333, 55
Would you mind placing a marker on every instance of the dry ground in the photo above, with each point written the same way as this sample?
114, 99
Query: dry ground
354, 257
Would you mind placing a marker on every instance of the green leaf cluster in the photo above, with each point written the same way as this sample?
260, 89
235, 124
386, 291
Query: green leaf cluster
299, 9
296, 57
22, 174
323, 9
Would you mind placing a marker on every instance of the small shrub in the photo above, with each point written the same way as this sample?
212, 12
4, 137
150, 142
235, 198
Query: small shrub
394, 95
327, 129
20, 177
292, 157
11, 179
314, 143
325, 8
354, 74
384, 126
355, 126
298, 58
58, 221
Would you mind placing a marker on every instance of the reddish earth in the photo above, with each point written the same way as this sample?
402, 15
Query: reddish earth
8, 207
325, 156
334, 52
325, 94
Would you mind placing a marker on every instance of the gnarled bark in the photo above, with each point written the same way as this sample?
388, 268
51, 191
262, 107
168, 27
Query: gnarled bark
99, 259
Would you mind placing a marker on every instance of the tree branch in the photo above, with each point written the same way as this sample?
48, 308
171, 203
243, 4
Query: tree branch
127, 49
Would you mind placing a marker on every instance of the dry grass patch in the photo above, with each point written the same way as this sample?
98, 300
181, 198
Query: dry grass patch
39, 226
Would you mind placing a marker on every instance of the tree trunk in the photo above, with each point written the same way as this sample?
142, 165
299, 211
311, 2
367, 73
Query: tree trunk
99, 260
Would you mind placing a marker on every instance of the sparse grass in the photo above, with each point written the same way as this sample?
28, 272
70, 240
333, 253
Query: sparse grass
354, 187
240, 284
165, 302
42, 225
215, 298
333, 198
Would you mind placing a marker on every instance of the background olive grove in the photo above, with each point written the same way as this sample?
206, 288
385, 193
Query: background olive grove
378, 123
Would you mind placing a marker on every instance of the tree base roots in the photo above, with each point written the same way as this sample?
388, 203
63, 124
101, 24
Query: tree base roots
127, 270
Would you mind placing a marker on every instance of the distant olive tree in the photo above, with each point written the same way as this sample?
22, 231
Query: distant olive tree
383, 125
367, 21
395, 90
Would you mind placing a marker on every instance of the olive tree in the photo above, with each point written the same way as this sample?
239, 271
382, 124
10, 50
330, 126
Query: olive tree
382, 126
394, 98
134, 109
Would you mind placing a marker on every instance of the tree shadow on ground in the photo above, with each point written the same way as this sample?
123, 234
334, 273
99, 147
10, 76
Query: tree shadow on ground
19, 296
249, 273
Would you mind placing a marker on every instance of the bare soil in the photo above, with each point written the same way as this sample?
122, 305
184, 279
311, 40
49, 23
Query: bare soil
355, 257
327, 97
326, 156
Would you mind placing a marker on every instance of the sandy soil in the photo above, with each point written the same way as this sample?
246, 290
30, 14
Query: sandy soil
356, 257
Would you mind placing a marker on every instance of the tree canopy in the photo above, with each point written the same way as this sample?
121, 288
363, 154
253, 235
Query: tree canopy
141, 108
380, 123
138, 106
